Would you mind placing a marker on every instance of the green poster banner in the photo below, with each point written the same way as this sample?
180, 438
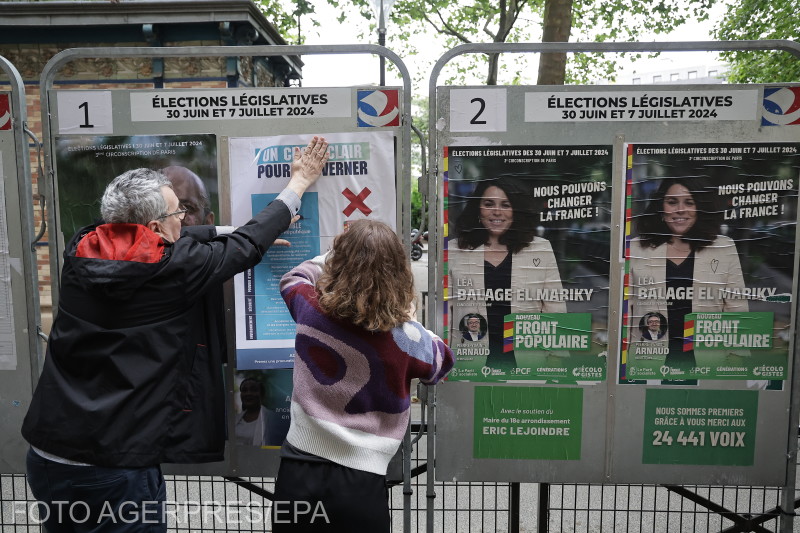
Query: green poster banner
734, 345
699, 427
546, 347
528, 423
545, 344
730, 346
723, 331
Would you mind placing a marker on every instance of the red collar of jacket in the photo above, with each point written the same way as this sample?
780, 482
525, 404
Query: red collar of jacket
122, 242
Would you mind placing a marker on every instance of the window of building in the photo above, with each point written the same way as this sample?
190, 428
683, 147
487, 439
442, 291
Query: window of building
637, 81
692, 74
657, 78
674, 76
712, 73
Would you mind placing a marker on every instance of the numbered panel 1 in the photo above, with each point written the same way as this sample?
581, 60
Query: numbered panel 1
618, 282
228, 154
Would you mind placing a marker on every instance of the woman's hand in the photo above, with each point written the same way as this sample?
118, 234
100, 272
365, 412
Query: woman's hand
307, 165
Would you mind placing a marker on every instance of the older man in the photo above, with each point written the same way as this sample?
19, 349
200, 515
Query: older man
473, 331
124, 385
653, 327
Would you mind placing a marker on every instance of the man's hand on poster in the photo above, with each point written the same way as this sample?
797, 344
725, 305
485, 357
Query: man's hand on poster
307, 165
284, 242
306, 170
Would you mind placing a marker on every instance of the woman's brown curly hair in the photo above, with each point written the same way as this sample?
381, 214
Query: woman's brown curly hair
367, 277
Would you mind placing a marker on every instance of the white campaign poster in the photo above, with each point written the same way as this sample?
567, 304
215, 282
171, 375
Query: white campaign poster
358, 181
8, 347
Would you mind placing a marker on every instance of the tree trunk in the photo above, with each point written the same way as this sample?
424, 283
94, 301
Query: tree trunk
556, 29
491, 79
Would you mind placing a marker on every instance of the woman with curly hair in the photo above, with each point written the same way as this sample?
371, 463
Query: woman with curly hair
680, 264
358, 348
497, 250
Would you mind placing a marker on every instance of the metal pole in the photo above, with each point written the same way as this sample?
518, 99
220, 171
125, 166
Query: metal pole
543, 525
407, 449
514, 508
788, 491
24, 192
382, 42
430, 489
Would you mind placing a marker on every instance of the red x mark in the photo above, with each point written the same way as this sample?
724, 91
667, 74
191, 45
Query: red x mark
356, 202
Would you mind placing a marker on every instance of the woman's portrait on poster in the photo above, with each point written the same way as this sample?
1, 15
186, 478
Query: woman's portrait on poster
680, 263
495, 248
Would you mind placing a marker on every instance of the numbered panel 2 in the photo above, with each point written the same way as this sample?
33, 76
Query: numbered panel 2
618, 282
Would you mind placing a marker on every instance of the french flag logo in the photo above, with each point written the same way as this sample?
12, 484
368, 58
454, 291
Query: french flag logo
781, 106
378, 108
5, 112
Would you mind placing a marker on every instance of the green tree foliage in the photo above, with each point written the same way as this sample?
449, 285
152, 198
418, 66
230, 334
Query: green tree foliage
495, 21
755, 20
286, 17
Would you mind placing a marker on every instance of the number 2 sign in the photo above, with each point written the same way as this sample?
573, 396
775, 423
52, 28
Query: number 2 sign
478, 110
84, 112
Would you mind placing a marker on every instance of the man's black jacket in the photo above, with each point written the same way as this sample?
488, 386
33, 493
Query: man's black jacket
133, 371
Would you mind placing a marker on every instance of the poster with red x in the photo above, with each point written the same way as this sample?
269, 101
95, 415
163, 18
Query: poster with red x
357, 182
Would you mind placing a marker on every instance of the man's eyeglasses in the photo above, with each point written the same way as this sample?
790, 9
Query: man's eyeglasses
180, 213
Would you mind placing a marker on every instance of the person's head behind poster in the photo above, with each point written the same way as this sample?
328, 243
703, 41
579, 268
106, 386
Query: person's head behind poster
683, 208
193, 195
499, 207
367, 278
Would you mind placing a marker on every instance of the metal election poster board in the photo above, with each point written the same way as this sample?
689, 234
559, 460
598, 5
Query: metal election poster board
237, 144
20, 346
617, 282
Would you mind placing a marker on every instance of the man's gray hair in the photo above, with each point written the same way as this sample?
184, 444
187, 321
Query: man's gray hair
134, 197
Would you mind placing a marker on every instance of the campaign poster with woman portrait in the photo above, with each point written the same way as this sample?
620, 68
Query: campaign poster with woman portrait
709, 253
526, 253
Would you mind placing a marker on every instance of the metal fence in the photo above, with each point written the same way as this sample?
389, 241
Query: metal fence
202, 503
660, 508
198, 503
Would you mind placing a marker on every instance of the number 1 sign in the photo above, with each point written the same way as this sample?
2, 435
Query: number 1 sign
85, 112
